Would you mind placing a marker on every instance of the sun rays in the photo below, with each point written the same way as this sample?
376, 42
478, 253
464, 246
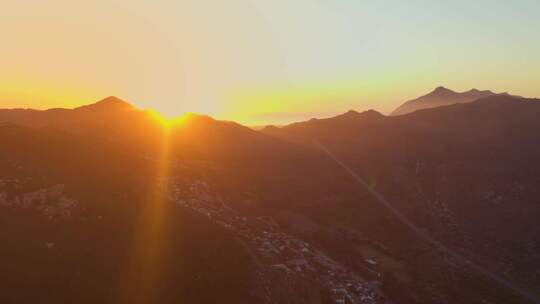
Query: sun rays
152, 231
170, 123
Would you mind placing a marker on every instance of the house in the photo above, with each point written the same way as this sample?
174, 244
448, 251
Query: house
371, 261
281, 267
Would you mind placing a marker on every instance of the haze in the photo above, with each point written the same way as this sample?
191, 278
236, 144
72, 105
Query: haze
257, 61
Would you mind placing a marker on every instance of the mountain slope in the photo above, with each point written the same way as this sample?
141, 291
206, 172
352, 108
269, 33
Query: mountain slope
465, 173
116, 161
197, 137
424, 162
76, 222
236, 153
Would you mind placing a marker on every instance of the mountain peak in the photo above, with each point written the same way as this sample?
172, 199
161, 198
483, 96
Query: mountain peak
269, 128
111, 103
476, 91
369, 114
114, 101
372, 112
441, 96
442, 90
351, 112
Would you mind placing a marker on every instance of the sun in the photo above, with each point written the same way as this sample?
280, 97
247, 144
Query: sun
170, 122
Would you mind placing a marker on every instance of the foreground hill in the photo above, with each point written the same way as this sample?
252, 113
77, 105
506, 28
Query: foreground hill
466, 173
82, 221
442, 96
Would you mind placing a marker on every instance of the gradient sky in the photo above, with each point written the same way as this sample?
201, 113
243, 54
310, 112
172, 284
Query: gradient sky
263, 61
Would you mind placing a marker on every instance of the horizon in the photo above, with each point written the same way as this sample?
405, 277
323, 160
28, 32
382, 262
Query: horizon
258, 62
290, 118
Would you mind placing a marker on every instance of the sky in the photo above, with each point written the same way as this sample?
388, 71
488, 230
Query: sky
263, 61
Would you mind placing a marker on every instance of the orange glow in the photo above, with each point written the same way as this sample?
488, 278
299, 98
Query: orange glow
150, 239
168, 122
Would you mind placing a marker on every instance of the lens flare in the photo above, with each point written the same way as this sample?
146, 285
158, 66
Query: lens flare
151, 232
170, 122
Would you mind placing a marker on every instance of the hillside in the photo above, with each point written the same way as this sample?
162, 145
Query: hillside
165, 208
77, 220
287, 214
465, 173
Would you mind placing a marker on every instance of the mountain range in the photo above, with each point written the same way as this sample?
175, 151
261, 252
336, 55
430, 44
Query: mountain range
242, 216
442, 96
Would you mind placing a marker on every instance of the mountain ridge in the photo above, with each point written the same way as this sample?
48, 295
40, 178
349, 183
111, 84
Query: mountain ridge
442, 96
443, 167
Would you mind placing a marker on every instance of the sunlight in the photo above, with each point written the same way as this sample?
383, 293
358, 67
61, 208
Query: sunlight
150, 243
170, 122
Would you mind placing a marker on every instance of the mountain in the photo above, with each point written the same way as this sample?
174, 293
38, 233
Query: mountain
77, 216
104, 185
108, 104
341, 125
442, 96
234, 149
199, 137
269, 210
465, 173
107, 108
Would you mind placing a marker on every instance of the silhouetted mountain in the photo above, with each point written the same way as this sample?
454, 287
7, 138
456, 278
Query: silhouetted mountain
442, 96
236, 149
466, 173
115, 216
107, 109
113, 119
109, 104
341, 125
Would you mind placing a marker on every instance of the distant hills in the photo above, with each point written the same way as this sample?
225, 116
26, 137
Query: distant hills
442, 96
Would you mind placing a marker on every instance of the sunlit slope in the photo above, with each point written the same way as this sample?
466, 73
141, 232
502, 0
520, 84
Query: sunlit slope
192, 135
242, 159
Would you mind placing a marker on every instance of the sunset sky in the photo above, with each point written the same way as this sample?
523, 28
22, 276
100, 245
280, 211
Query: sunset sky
263, 61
